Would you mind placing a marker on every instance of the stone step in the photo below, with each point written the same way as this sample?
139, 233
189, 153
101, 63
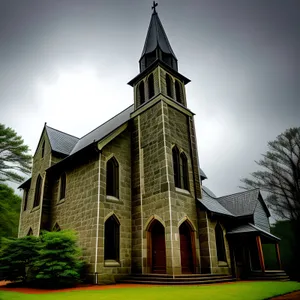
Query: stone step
179, 276
187, 282
177, 279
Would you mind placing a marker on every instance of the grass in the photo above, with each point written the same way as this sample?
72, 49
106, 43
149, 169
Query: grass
239, 290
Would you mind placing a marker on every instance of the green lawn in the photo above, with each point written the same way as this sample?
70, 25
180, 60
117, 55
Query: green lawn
240, 290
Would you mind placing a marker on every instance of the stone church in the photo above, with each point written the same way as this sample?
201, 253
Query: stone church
132, 188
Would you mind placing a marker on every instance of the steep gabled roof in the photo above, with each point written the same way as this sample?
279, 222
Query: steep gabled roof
104, 129
211, 203
61, 142
240, 204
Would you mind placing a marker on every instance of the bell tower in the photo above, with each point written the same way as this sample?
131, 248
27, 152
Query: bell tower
165, 172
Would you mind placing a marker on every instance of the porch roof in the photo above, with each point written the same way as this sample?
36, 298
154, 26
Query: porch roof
250, 228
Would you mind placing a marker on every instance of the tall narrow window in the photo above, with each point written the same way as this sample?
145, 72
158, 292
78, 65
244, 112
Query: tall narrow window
30, 232
56, 227
111, 239
112, 178
62, 190
142, 92
184, 171
220, 243
150, 86
169, 85
178, 92
43, 149
176, 166
26, 191
38, 189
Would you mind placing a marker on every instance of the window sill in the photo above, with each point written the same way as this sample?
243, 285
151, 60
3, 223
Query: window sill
35, 208
111, 263
113, 199
222, 264
61, 201
182, 191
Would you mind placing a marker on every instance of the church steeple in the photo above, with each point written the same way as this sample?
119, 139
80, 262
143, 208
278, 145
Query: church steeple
157, 46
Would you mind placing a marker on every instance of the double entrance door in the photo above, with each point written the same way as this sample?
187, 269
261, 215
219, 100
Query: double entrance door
158, 249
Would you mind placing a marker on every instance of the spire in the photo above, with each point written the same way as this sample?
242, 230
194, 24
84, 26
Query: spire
157, 45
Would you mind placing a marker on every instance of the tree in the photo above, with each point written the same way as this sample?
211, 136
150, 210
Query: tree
9, 212
59, 261
14, 157
280, 176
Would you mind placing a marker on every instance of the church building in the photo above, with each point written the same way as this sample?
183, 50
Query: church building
133, 189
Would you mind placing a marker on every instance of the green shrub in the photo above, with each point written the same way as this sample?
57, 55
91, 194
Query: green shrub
59, 261
17, 257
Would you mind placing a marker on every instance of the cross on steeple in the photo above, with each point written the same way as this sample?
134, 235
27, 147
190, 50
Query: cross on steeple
153, 7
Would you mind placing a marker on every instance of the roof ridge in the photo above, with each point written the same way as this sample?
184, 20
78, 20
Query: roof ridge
63, 132
239, 193
106, 121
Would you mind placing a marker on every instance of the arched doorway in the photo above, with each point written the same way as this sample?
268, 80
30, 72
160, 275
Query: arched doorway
186, 248
157, 248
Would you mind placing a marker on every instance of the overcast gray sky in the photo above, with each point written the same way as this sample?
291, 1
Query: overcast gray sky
67, 63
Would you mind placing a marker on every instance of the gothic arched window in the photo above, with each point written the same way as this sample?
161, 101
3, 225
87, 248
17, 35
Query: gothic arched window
221, 253
142, 92
176, 166
62, 189
56, 227
111, 239
26, 192
30, 232
169, 85
43, 149
184, 171
112, 178
178, 92
38, 190
150, 86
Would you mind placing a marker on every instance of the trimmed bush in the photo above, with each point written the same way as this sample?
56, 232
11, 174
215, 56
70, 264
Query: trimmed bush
59, 261
17, 257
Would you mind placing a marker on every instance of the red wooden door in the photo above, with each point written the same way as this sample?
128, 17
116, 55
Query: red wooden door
186, 249
158, 249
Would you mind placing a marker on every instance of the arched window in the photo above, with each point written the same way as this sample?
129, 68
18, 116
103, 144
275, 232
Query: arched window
184, 171
150, 86
38, 190
30, 232
176, 166
178, 92
169, 85
26, 192
112, 239
221, 253
142, 92
56, 227
62, 189
43, 149
112, 178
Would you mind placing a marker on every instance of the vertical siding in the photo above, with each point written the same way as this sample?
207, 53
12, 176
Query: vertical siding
260, 217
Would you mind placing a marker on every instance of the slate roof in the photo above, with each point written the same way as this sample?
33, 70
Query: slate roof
211, 203
103, 130
61, 142
240, 204
237, 205
248, 228
156, 36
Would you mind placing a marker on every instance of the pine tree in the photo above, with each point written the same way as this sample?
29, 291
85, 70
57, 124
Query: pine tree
14, 157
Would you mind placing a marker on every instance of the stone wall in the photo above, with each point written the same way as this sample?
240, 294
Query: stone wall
216, 266
31, 217
78, 210
120, 148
